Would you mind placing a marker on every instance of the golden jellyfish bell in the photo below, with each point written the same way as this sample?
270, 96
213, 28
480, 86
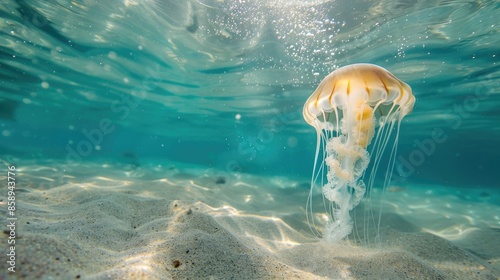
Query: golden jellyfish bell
358, 93
345, 110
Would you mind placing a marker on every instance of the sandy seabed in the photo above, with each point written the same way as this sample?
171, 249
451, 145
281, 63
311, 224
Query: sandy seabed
101, 221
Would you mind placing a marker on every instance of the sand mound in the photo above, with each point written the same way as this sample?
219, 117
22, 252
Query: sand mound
177, 228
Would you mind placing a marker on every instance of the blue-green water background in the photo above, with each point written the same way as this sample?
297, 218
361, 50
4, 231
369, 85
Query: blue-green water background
222, 83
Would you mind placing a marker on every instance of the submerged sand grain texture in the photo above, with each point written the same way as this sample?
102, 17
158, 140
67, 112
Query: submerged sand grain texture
162, 229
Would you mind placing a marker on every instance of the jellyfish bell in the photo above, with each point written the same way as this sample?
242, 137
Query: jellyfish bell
352, 107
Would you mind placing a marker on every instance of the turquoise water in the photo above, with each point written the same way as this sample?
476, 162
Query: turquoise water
202, 100
222, 84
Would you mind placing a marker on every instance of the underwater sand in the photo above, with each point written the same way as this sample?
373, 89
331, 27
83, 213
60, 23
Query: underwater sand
102, 221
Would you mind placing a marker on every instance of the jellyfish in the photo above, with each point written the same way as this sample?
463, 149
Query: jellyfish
352, 107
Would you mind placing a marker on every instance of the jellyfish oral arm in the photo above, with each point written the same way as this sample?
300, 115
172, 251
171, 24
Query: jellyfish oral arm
346, 164
347, 160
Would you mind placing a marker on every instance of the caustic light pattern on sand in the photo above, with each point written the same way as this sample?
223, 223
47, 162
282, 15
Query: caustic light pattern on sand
350, 107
